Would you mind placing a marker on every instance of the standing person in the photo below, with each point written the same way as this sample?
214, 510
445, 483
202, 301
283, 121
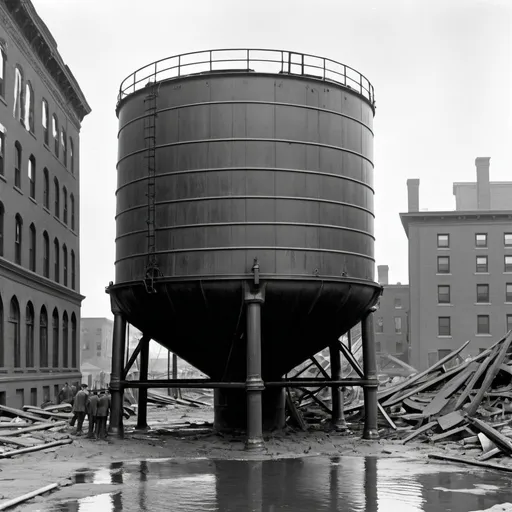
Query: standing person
92, 411
102, 413
65, 395
79, 409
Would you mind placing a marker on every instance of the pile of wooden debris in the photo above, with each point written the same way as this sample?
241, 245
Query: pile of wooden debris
162, 399
32, 429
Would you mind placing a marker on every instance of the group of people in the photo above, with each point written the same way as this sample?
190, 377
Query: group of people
94, 405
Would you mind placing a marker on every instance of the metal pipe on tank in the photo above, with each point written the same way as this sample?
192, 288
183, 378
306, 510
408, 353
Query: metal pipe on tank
142, 410
370, 430
337, 393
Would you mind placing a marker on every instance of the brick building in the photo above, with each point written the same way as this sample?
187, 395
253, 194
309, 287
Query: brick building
96, 342
392, 317
41, 108
460, 268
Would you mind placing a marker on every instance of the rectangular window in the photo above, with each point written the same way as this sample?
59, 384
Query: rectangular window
444, 326
482, 264
483, 324
482, 293
509, 322
379, 325
481, 240
398, 303
508, 292
2, 151
508, 239
399, 347
443, 294
443, 241
3, 59
398, 325
378, 348
508, 263
45, 119
443, 264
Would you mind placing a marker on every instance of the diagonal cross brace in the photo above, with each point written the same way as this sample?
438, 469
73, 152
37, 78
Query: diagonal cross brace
133, 357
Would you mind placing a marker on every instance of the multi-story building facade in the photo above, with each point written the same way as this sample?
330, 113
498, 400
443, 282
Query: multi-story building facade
392, 318
41, 109
460, 269
96, 342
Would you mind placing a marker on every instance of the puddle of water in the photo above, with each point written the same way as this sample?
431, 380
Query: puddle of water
323, 484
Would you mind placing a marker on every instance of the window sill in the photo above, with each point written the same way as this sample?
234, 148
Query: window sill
33, 200
3, 100
445, 304
483, 335
508, 272
483, 303
443, 248
443, 274
444, 336
508, 303
18, 189
482, 274
46, 210
3, 178
32, 133
481, 248
31, 370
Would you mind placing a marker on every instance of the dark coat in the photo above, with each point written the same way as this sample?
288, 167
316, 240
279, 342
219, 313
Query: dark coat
66, 394
80, 404
103, 406
92, 408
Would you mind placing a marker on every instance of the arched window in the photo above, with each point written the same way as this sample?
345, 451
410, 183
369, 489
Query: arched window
2, 214
55, 133
32, 176
64, 144
45, 120
43, 338
14, 335
46, 255
57, 260
2, 343
73, 282
17, 164
2, 151
71, 156
65, 205
46, 189
55, 326
72, 201
65, 264
18, 238
29, 335
29, 108
74, 359
65, 340
57, 197
3, 64
18, 94
32, 248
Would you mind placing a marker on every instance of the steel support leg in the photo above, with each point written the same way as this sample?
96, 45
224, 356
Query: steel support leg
370, 372
116, 390
142, 410
337, 394
254, 383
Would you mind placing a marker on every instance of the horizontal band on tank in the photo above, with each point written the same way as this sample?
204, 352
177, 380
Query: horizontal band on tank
229, 169
221, 224
247, 139
245, 248
216, 198
248, 102
243, 277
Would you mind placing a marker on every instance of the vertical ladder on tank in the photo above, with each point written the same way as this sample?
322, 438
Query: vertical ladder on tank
152, 270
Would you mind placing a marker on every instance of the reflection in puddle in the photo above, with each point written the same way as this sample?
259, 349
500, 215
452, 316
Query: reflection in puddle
323, 484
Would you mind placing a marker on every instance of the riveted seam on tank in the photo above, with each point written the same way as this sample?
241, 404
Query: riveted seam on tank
247, 139
249, 102
247, 248
226, 197
272, 169
221, 224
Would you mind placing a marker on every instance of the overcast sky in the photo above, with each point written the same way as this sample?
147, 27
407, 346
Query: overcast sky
441, 70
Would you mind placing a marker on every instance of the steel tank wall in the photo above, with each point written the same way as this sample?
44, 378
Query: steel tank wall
278, 168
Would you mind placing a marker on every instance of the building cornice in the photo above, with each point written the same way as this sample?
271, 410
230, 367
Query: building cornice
455, 216
34, 40
25, 277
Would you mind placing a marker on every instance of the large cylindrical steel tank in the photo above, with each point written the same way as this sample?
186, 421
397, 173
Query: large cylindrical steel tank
257, 162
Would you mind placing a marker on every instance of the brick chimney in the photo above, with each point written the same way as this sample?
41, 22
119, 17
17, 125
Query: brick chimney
413, 195
483, 187
383, 271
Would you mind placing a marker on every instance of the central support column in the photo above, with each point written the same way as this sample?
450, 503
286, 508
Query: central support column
118, 350
254, 298
370, 372
142, 410
337, 393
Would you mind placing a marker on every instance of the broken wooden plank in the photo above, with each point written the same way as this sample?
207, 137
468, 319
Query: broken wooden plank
450, 420
391, 423
401, 363
15, 441
490, 375
419, 431
448, 433
488, 455
45, 446
444, 394
60, 407
14, 425
25, 497
21, 414
460, 460
498, 439
294, 413
48, 414
34, 428
412, 404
